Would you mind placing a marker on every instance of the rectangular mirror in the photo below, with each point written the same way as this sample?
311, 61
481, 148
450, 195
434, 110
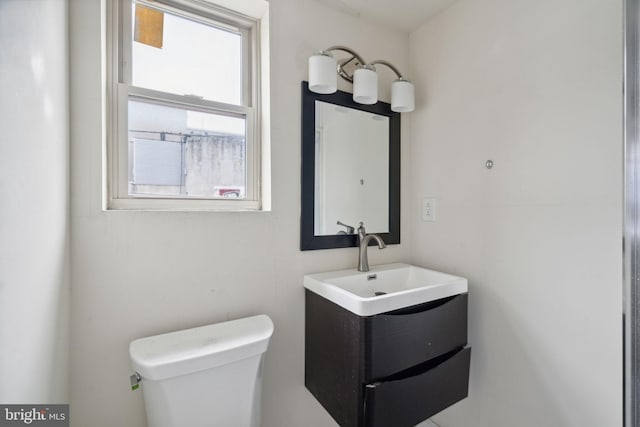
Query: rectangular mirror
350, 170
346, 190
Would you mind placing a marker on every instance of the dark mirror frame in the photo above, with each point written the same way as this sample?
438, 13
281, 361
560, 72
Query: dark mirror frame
308, 239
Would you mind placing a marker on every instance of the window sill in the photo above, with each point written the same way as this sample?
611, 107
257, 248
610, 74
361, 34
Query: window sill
183, 205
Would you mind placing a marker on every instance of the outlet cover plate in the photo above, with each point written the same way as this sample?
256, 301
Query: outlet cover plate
429, 209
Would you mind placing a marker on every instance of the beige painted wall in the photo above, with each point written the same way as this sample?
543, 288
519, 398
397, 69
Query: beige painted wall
536, 87
141, 273
34, 202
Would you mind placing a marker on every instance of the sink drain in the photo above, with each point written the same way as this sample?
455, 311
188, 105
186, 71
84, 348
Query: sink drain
378, 293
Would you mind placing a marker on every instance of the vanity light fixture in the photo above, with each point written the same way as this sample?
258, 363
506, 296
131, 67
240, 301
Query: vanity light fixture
323, 78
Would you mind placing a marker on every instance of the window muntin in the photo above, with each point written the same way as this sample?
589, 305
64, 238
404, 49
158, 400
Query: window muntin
161, 123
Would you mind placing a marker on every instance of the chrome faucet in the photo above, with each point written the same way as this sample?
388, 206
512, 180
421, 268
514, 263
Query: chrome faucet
363, 242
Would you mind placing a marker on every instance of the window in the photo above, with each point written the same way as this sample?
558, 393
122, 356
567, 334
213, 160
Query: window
185, 105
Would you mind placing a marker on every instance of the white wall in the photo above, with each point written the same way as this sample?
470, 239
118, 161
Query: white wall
536, 87
141, 273
34, 202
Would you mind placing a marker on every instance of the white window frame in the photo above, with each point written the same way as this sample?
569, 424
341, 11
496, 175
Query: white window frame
120, 89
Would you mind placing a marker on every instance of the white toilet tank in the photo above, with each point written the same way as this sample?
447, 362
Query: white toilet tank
204, 377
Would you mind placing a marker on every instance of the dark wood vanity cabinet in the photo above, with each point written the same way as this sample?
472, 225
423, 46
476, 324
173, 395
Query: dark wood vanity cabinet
393, 369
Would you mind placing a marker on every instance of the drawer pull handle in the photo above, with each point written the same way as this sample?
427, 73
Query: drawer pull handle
421, 308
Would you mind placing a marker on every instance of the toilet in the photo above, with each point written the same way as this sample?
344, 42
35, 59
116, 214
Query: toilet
206, 376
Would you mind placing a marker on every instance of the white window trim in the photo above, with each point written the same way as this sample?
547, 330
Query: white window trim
254, 100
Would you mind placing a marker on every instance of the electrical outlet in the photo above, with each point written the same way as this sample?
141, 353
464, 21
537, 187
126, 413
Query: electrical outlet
429, 210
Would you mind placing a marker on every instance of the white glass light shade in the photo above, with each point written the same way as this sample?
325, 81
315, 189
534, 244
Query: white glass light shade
402, 96
323, 77
365, 85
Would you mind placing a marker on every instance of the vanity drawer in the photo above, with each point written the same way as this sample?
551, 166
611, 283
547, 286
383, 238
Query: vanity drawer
422, 332
409, 400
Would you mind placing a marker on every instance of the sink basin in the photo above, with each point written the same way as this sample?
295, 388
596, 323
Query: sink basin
384, 288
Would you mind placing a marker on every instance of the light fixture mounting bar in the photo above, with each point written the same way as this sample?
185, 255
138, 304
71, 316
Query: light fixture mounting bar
347, 67
348, 50
388, 64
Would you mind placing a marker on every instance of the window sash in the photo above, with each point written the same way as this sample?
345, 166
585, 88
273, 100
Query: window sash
121, 90
127, 92
244, 26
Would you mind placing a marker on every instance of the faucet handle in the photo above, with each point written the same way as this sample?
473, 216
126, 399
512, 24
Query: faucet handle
350, 229
361, 230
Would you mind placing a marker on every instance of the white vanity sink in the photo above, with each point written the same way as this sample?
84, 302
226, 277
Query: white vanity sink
384, 288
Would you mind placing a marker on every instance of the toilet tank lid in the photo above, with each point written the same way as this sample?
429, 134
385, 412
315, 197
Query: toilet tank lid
191, 350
